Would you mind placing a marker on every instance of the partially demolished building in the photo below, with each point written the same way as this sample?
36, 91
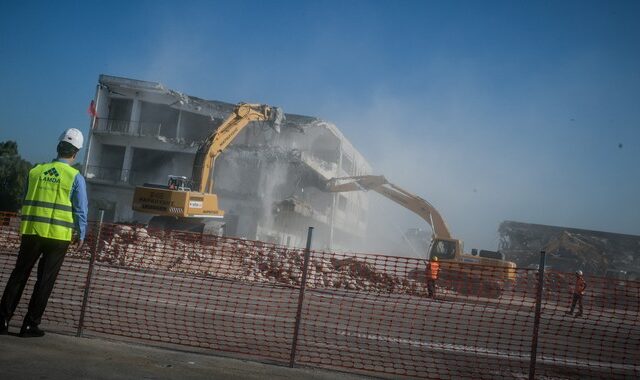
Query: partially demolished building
270, 185
569, 249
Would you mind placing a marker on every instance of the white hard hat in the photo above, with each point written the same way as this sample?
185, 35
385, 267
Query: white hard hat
579, 272
73, 137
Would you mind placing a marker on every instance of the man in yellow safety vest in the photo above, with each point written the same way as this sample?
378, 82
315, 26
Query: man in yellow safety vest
54, 206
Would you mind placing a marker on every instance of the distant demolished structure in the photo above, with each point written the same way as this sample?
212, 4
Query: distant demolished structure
569, 249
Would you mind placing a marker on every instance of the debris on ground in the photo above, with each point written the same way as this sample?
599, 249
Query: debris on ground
238, 259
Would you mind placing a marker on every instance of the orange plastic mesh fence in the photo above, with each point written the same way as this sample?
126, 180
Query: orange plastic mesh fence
363, 313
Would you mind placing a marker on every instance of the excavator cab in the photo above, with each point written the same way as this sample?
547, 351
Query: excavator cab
443, 249
177, 182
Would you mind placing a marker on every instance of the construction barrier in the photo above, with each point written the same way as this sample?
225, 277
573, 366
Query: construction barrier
362, 313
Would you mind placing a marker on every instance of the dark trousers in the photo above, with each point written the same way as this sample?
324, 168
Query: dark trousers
31, 248
577, 298
431, 287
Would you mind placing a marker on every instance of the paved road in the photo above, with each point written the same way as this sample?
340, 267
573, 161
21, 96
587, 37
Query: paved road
62, 357
354, 331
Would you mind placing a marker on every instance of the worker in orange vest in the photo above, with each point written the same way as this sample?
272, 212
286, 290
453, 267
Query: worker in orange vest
578, 292
433, 270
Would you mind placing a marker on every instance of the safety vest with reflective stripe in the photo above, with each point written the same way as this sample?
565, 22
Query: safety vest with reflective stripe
47, 210
434, 270
581, 285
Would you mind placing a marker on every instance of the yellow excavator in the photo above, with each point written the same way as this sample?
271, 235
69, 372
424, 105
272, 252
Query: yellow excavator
485, 273
190, 205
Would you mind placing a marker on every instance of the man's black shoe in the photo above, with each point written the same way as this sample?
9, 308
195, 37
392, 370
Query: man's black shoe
4, 326
30, 331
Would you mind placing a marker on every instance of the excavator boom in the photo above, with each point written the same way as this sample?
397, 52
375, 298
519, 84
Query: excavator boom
404, 198
242, 115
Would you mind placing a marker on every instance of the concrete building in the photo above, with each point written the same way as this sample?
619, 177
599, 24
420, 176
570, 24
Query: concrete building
269, 184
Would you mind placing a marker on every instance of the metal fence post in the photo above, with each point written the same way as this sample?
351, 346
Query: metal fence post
536, 322
303, 283
87, 286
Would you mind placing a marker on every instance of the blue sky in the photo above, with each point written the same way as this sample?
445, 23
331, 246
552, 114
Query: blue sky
491, 110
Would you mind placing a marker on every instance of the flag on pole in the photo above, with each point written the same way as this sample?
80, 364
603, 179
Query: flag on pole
92, 109
92, 112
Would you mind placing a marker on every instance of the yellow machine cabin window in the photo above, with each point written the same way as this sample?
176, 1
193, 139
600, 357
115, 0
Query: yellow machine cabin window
443, 249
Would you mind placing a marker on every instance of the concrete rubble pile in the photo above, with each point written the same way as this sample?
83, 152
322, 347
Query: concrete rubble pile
584, 251
10, 238
245, 260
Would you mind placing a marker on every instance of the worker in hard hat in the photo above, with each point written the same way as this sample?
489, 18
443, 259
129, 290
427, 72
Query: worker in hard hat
433, 270
53, 210
578, 293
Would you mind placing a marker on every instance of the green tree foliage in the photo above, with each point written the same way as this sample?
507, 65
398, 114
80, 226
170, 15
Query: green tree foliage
13, 176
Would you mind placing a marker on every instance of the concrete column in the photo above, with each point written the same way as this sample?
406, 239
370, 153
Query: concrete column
134, 124
126, 164
179, 125
334, 199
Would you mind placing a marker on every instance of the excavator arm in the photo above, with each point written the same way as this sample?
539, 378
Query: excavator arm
402, 197
218, 141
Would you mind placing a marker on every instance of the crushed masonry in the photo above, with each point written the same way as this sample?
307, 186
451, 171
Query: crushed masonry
237, 259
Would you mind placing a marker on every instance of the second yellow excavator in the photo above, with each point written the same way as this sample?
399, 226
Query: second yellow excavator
185, 204
487, 271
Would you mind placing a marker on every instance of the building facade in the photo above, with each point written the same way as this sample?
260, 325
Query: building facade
269, 184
